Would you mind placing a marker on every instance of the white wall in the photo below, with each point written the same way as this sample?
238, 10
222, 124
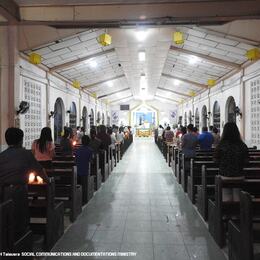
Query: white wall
53, 88
233, 86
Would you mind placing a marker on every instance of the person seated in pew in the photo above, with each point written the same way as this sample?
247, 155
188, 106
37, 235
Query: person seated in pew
16, 163
120, 135
43, 148
232, 155
83, 156
205, 139
169, 135
94, 143
104, 137
216, 137
66, 144
189, 143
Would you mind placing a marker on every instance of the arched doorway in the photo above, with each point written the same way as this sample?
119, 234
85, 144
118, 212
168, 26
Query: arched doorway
185, 119
103, 119
73, 116
91, 118
190, 117
204, 116
216, 115
85, 118
197, 118
58, 119
230, 110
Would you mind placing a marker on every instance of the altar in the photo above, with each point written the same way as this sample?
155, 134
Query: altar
143, 132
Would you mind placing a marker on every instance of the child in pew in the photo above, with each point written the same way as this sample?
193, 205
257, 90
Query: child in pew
232, 155
43, 148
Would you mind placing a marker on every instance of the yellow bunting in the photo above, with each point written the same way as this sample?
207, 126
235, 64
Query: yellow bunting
211, 82
35, 58
178, 37
105, 39
76, 84
181, 101
192, 93
94, 95
253, 54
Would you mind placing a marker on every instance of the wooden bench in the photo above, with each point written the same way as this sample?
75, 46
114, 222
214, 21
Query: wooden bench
104, 164
66, 188
243, 234
221, 212
96, 171
46, 215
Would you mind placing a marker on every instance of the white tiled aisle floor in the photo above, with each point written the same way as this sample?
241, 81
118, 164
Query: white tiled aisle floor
142, 209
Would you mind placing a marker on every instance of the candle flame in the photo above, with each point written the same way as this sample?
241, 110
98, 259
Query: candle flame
31, 177
39, 180
74, 143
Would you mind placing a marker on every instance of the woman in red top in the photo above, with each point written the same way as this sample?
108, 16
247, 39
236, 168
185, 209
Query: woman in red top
43, 148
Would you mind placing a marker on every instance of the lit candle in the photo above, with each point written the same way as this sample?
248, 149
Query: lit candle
39, 180
31, 177
74, 143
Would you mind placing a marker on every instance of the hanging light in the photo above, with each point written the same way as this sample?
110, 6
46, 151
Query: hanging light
35, 58
105, 39
211, 82
141, 35
178, 37
253, 54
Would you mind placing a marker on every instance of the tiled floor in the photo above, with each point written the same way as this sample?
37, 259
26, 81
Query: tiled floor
141, 209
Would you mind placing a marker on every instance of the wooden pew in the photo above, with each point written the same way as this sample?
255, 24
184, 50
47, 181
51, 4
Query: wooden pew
96, 171
104, 164
10, 241
243, 234
221, 212
118, 152
66, 189
46, 215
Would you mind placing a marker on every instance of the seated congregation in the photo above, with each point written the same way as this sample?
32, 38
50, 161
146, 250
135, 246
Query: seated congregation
52, 182
221, 177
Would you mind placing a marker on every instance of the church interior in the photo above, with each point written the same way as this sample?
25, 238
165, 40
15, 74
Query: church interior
130, 129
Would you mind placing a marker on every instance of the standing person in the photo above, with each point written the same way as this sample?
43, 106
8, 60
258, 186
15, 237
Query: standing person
78, 135
66, 143
169, 135
195, 131
205, 139
16, 163
94, 143
216, 136
120, 135
232, 155
113, 142
160, 131
104, 138
43, 148
189, 143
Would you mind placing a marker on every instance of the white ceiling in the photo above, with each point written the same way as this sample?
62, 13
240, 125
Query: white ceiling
122, 61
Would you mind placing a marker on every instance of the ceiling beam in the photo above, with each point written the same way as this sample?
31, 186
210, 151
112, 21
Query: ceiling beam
120, 99
174, 92
112, 93
103, 81
10, 11
75, 62
169, 99
206, 57
185, 81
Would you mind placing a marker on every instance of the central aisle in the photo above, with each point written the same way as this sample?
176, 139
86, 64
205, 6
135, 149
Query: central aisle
141, 209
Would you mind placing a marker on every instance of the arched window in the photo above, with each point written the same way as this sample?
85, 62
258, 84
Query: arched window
98, 118
216, 115
85, 118
197, 118
73, 115
185, 119
103, 119
58, 119
204, 116
230, 110
91, 119
190, 117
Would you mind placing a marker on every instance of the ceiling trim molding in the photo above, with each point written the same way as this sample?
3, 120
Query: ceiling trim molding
112, 93
172, 100
120, 99
185, 81
206, 57
103, 81
75, 62
174, 92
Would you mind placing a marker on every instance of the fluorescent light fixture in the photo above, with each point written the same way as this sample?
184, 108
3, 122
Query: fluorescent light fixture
141, 35
176, 82
193, 60
141, 55
92, 63
110, 84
